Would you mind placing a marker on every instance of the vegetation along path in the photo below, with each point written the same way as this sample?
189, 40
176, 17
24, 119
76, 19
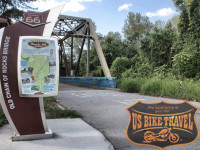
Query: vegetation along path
106, 111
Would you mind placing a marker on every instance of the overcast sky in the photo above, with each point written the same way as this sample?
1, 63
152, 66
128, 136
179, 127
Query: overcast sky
109, 15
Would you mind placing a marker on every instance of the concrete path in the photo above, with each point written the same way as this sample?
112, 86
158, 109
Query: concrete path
69, 134
106, 111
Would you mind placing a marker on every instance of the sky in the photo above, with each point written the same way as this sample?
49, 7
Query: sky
109, 15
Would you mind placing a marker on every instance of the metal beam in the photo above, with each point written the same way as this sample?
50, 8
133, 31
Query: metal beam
88, 52
64, 56
76, 36
80, 54
99, 51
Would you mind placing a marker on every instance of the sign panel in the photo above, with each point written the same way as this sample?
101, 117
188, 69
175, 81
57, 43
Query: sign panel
38, 66
162, 124
33, 19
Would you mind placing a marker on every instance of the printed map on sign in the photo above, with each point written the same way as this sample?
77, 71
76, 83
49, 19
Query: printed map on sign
38, 66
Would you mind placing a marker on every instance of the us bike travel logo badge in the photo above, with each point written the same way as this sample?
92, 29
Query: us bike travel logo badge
162, 124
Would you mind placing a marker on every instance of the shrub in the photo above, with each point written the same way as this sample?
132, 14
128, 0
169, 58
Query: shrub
129, 73
119, 65
131, 85
152, 86
145, 70
170, 88
191, 90
167, 87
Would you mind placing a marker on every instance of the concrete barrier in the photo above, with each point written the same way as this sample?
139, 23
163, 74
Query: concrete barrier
99, 82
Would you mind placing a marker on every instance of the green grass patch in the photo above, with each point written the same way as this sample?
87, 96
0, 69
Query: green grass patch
166, 87
52, 110
3, 119
151, 87
131, 85
191, 90
170, 88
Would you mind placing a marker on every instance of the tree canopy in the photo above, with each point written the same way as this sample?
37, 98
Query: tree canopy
136, 25
14, 9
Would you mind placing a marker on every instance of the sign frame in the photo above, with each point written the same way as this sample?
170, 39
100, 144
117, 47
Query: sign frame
21, 38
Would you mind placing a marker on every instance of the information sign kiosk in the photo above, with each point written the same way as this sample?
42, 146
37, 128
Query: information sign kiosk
28, 72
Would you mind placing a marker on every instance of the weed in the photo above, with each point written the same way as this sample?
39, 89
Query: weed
3, 119
167, 87
53, 111
131, 85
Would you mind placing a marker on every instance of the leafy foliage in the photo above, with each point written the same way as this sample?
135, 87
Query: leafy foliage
156, 46
132, 85
13, 9
136, 25
119, 65
112, 47
187, 61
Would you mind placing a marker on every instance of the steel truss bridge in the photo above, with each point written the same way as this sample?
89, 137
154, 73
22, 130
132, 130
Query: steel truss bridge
66, 30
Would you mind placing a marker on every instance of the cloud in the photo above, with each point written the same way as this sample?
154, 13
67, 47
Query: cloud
125, 7
70, 5
161, 13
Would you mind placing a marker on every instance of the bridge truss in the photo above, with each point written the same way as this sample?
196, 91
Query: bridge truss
66, 30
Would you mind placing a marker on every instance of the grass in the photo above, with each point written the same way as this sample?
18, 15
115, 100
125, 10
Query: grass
52, 110
167, 87
131, 85
3, 119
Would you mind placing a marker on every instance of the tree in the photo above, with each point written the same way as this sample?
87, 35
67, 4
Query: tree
186, 64
112, 47
136, 25
156, 46
119, 66
13, 9
188, 42
189, 19
173, 22
114, 35
159, 24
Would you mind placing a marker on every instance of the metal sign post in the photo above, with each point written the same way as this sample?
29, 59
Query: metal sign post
181, 87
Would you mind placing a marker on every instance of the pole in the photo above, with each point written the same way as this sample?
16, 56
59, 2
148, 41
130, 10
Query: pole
72, 46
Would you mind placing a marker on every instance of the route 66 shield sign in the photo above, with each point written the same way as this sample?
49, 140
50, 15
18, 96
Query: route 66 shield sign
33, 19
162, 124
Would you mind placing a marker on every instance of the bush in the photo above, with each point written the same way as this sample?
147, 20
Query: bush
170, 88
191, 90
119, 65
186, 64
131, 85
145, 70
129, 73
167, 87
152, 87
